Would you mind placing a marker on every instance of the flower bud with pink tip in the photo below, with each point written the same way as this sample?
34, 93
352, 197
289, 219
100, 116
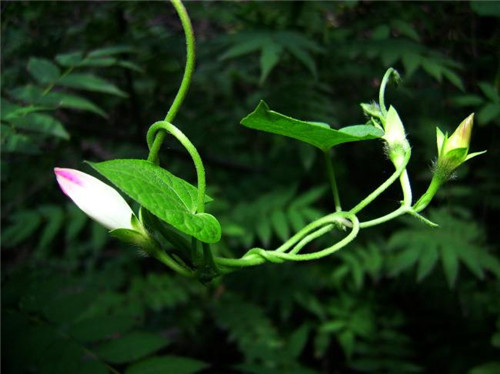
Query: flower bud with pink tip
95, 198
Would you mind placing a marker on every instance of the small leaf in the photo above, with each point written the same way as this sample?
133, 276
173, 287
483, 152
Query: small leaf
468, 100
101, 327
43, 70
426, 263
263, 229
433, 69
450, 264
411, 61
166, 364
269, 57
110, 51
280, 224
34, 95
489, 91
168, 197
55, 217
454, 78
90, 82
488, 113
131, 347
492, 367
297, 341
406, 29
41, 123
24, 223
471, 260
71, 59
243, 48
318, 135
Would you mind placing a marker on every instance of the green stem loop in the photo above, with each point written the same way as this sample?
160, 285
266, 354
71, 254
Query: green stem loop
257, 256
183, 139
186, 79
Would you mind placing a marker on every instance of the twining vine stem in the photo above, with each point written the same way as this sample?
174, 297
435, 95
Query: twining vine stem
186, 79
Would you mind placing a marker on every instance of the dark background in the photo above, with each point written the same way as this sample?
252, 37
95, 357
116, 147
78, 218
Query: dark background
402, 298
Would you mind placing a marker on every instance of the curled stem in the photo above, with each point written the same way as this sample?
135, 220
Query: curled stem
183, 139
257, 256
381, 94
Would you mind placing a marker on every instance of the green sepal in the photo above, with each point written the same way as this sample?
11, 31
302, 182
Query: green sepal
440, 139
156, 228
132, 237
168, 197
456, 156
319, 135
472, 155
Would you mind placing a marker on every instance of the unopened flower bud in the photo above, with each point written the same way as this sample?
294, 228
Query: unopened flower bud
454, 150
95, 198
395, 137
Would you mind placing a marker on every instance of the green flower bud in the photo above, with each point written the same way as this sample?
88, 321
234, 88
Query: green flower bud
454, 150
395, 137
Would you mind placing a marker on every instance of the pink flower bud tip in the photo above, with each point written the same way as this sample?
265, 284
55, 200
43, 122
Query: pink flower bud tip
95, 198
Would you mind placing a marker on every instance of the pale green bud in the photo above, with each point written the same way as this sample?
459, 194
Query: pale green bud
454, 150
395, 137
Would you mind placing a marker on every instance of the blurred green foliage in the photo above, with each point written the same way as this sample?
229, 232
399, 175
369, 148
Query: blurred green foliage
84, 80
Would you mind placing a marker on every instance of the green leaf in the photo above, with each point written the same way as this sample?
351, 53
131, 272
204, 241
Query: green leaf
426, 262
489, 91
263, 230
470, 259
71, 59
92, 367
24, 223
130, 347
110, 51
43, 70
168, 197
34, 95
297, 341
166, 364
243, 48
488, 113
41, 123
152, 223
318, 135
280, 224
453, 78
468, 100
411, 61
90, 82
406, 29
433, 68
101, 327
269, 57
55, 217
12, 111
492, 367
486, 8
450, 264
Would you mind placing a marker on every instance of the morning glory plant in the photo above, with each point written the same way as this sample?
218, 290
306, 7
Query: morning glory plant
172, 224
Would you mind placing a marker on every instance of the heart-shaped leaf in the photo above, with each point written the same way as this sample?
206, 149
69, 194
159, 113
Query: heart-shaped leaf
168, 197
320, 135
